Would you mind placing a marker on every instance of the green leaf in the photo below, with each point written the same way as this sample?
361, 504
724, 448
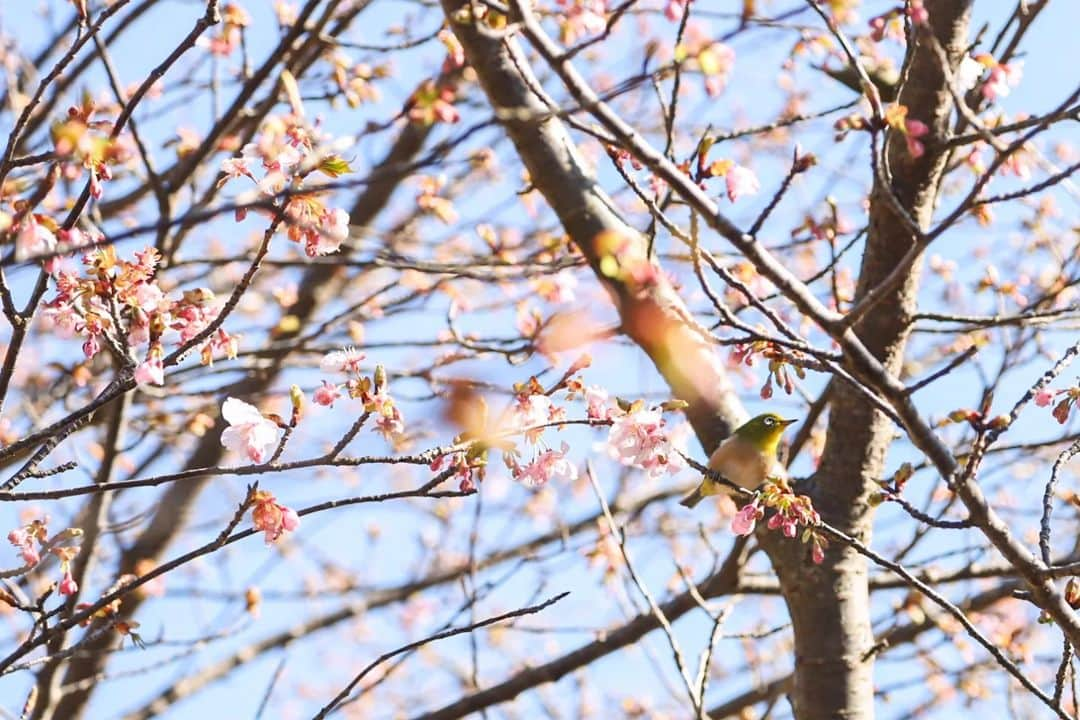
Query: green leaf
334, 166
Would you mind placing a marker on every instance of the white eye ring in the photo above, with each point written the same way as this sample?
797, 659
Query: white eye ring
769, 421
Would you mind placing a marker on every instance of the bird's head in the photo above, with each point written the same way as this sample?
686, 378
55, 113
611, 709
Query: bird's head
764, 431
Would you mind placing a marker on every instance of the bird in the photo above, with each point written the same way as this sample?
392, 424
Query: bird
746, 457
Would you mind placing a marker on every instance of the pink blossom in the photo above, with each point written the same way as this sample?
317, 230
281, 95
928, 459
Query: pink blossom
30, 554
1044, 397
529, 411
24, 541
548, 465
91, 347
913, 130
248, 432
1003, 77
151, 371
290, 520
878, 28
146, 296
675, 9
68, 586
390, 422
583, 18
273, 518
639, 439
918, 13
741, 181
327, 394
597, 399
346, 361
1017, 164
817, 554
745, 520
333, 229
460, 465
33, 239
233, 168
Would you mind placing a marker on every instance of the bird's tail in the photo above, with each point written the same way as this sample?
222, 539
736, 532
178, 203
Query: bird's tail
693, 498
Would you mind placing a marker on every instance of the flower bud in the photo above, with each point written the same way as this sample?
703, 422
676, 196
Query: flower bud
1072, 593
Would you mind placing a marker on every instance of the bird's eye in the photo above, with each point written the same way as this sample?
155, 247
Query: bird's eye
770, 422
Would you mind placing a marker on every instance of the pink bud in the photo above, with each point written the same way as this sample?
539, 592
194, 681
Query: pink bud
30, 555
744, 521
1044, 397
91, 347
68, 586
290, 521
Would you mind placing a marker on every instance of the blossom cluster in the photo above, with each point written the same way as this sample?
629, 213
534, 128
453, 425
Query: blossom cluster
778, 360
286, 152
33, 538
639, 435
83, 143
788, 513
28, 538
530, 412
371, 391
119, 302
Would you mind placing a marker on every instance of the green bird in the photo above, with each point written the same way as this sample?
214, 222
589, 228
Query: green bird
746, 458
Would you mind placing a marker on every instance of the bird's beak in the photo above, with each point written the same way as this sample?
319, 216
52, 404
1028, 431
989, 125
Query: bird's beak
785, 423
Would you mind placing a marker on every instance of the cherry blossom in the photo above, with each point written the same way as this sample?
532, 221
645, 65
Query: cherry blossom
463, 469
271, 517
249, 432
548, 465
233, 168
151, 371
23, 538
33, 239
597, 400
344, 361
1044, 397
917, 12
583, 18
746, 519
741, 181
529, 411
326, 394
1003, 76
639, 439
897, 118
388, 420
675, 9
